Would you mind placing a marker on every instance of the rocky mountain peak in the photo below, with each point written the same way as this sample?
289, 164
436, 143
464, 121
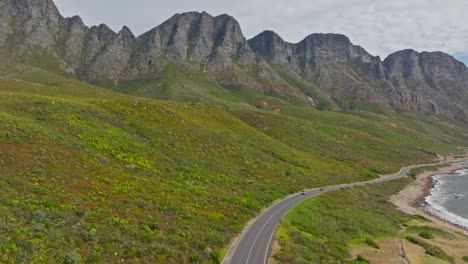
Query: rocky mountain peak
33, 9
328, 65
76, 20
419, 65
126, 32
36, 21
436, 77
271, 46
326, 39
195, 37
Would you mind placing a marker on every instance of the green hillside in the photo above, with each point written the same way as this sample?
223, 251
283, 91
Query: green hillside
90, 174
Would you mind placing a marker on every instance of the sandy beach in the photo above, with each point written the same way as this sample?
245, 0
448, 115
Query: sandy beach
411, 198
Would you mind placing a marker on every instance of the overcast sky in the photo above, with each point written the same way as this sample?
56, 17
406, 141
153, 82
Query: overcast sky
380, 26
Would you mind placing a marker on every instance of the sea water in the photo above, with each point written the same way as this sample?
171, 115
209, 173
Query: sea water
448, 198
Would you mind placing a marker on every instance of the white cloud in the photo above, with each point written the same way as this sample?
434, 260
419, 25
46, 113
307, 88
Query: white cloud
380, 26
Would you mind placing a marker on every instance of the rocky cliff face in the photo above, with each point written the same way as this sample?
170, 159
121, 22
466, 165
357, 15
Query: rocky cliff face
329, 61
195, 40
34, 23
437, 82
326, 65
309, 55
198, 37
111, 57
406, 80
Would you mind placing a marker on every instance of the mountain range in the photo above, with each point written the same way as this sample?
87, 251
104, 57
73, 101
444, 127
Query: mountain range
326, 71
96, 168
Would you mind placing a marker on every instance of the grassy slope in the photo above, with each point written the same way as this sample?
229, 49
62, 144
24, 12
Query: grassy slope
88, 172
338, 218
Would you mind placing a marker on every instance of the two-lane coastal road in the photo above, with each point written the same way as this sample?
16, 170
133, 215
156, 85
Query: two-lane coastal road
253, 245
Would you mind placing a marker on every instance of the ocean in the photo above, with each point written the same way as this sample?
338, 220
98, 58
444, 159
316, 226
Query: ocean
448, 198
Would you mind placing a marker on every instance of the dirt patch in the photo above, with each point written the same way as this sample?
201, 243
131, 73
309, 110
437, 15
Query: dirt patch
391, 252
417, 255
456, 246
275, 249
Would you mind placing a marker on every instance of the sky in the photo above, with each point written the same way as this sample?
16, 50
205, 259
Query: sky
380, 26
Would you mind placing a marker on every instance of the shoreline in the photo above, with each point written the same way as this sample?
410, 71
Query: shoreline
411, 198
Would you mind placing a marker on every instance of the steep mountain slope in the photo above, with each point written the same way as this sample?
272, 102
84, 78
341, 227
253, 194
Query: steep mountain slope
439, 82
329, 61
212, 46
323, 70
88, 173
406, 80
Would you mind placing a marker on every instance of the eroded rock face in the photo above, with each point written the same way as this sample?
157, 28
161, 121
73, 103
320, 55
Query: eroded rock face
34, 23
5, 22
326, 65
75, 32
437, 81
329, 61
196, 39
407, 80
113, 58
98, 38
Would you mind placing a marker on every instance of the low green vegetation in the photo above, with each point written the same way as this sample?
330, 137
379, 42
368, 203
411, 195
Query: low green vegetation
465, 258
88, 174
416, 171
325, 228
372, 243
361, 259
339, 218
426, 235
431, 250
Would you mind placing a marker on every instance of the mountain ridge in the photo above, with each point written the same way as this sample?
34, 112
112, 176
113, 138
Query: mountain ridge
329, 66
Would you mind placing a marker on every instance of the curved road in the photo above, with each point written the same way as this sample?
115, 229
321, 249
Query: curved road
253, 245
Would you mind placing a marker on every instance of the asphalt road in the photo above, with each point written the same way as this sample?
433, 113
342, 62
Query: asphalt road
253, 245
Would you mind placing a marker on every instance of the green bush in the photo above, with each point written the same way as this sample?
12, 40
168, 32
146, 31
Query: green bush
72, 258
195, 259
431, 250
465, 258
372, 243
361, 259
215, 258
426, 235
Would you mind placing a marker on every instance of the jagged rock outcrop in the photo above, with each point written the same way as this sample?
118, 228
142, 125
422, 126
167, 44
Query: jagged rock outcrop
320, 66
34, 23
329, 61
406, 80
75, 31
438, 83
34, 27
194, 39
315, 50
113, 58
98, 38
198, 37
